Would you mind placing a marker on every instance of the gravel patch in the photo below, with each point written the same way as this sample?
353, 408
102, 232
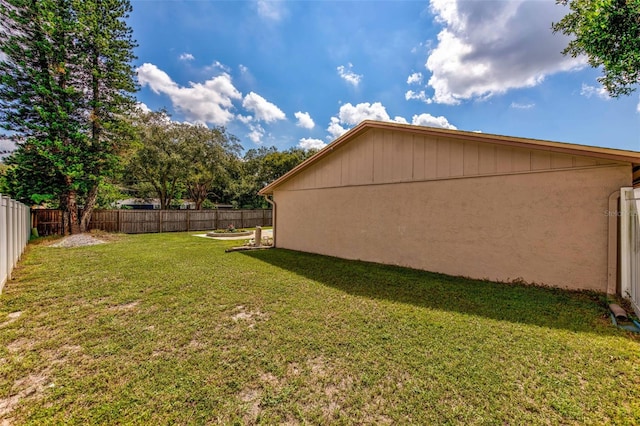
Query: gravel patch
78, 240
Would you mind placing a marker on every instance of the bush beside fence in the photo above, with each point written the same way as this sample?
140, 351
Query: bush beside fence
49, 222
15, 230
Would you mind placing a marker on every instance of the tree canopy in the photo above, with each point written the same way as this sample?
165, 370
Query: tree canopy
608, 33
172, 159
66, 81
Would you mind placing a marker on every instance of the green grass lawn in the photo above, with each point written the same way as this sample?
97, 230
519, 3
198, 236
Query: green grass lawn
169, 329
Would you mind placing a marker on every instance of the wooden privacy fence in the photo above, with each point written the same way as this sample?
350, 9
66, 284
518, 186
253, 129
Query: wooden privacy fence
15, 230
49, 222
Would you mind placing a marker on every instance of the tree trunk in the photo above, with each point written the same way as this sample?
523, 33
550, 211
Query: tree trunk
72, 208
89, 206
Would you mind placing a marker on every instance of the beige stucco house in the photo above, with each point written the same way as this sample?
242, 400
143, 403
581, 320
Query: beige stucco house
459, 203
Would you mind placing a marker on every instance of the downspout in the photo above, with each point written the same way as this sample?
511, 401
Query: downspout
613, 215
273, 216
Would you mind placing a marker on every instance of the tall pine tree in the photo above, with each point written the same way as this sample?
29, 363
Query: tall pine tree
66, 82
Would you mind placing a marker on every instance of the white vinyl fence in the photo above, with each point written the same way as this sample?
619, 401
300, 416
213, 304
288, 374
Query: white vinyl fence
15, 230
630, 246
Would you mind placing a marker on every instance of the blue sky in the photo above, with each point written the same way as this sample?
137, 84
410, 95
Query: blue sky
300, 73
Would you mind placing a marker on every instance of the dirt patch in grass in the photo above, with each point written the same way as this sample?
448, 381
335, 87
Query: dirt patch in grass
27, 387
251, 400
125, 307
78, 240
21, 345
91, 238
11, 318
248, 317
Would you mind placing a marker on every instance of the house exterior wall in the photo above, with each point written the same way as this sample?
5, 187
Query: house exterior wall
459, 208
383, 156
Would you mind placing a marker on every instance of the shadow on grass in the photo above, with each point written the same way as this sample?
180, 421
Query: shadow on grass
518, 303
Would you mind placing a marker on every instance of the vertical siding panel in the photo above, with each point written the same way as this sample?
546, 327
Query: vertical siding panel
378, 157
361, 161
370, 161
321, 173
603, 162
390, 157
335, 169
353, 162
295, 183
442, 165
418, 158
503, 159
300, 181
404, 172
397, 153
486, 159
430, 158
344, 166
470, 159
540, 160
456, 158
520, 160
311, 178
303, 179
561, 161
583, 161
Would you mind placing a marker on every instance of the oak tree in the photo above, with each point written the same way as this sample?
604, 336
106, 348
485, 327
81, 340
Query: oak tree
608, 33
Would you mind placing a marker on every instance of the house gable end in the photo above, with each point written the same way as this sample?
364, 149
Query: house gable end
385, 156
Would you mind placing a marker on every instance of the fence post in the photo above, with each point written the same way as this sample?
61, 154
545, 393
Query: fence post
188, 220
10, 246
4, 241
625, 241
27, 219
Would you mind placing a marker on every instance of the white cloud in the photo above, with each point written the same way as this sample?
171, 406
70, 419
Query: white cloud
208, 102
589, 91
350, 115
309, 143
517, 105
348, 75
415, 78
335, 129
425, 119
420, 96
487, 48
638, 107
272, 10
304, 120
217, 66
256, 133
243, 69
186, 57
262, 109
246, 119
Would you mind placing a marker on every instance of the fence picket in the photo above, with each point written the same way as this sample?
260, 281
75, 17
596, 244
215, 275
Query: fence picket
15, 230
49, 222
